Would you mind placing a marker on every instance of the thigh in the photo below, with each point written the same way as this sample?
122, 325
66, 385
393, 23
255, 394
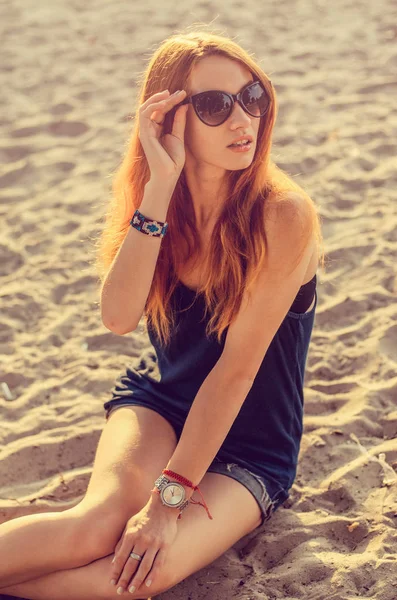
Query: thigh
201, 540
135, 445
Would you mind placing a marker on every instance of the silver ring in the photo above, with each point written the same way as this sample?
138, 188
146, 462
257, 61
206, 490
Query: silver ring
137, 556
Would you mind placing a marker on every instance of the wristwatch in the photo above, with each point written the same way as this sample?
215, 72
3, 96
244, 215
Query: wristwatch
172, 493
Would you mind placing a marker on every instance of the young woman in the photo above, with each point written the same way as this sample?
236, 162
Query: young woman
218, 249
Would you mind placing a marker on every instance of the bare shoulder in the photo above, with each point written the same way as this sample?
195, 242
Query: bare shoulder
290, 213
288, 221
263, 308
290, 205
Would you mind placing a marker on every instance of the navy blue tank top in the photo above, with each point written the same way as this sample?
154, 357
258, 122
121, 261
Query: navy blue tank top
266, 434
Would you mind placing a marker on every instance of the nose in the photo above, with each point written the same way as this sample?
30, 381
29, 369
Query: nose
239, 116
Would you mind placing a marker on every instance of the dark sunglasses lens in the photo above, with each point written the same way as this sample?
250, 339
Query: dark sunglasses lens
256, 100
213, 108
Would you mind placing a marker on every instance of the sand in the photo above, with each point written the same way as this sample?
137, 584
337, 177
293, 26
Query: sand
68, 72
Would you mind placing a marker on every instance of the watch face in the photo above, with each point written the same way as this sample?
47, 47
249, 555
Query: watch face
173, 494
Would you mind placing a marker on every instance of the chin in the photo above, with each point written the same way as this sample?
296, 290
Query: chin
244, 164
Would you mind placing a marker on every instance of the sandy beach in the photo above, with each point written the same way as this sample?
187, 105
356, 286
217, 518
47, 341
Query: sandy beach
68, 73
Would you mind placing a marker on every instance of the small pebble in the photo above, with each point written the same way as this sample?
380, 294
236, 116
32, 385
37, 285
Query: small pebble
6, 391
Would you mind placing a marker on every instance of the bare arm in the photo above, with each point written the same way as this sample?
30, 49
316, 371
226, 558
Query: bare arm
249, 336
126, 287
210, 418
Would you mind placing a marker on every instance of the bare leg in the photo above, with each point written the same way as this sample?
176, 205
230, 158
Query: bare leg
199, 541
90, 582
126, 464
34, 545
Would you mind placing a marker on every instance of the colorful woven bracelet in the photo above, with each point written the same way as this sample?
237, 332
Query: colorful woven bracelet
148, 226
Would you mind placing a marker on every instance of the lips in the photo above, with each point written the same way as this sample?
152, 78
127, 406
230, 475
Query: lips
242, 145
243, 138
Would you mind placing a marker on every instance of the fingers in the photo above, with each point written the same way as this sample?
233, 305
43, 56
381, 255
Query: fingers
117, 548
140, 574
163, 105
125, 566
118, 545
154, 573
178, 126
158, 96
120, 558
131, 573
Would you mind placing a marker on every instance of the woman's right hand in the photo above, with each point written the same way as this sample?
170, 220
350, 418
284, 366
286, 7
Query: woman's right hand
165, 153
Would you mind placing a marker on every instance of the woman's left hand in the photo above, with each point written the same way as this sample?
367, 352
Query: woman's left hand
149, 533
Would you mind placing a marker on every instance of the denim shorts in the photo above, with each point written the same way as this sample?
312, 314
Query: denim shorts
267, 492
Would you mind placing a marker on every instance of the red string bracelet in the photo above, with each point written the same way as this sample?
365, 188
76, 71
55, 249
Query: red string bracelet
187, 482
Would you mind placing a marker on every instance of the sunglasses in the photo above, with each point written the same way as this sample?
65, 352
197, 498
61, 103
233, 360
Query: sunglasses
214, 107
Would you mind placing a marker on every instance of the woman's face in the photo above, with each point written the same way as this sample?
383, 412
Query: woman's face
209, 145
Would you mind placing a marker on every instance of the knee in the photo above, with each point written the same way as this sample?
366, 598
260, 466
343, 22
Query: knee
97, 532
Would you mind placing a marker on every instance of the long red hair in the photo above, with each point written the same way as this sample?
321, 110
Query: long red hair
237, 249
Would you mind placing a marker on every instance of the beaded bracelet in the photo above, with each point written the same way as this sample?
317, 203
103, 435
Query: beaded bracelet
148, 226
